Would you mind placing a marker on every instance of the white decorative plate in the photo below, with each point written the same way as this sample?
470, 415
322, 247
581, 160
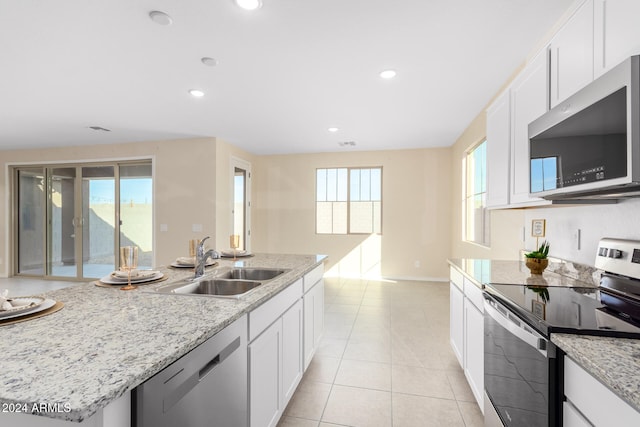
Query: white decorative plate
27, 304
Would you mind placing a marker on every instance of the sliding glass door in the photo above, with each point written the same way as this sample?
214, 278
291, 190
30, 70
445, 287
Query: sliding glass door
69, 217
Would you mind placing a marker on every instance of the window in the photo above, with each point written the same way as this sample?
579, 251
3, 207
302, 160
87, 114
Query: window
476, 216
349, 201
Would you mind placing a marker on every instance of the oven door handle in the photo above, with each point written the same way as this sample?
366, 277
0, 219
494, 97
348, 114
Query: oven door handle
539, 343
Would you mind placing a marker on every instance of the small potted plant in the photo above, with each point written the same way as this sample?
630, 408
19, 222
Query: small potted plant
537, 260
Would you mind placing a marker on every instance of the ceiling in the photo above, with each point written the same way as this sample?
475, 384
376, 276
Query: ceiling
285, 73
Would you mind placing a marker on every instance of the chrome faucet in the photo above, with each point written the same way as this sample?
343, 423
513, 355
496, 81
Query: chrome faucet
201, 258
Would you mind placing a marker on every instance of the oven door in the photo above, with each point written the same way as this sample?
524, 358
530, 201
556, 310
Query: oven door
517, 369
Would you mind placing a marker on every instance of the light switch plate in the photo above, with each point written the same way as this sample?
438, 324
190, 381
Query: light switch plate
196, 228
164, 227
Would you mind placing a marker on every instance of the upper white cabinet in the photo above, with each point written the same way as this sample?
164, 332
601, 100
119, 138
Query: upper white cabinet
498, 142
616, 32
528, 102
571, 55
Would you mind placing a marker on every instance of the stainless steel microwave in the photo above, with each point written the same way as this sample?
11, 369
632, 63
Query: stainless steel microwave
588, 147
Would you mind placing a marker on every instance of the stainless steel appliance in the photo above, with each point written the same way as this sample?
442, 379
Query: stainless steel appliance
523, 374
205, 388
588, 147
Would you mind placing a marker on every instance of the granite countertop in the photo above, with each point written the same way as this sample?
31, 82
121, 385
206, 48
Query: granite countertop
506, 272
615, 362
105, 341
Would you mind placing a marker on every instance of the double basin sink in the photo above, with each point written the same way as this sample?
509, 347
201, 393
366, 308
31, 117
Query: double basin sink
224, 282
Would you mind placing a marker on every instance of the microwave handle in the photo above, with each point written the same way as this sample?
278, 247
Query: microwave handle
539, 343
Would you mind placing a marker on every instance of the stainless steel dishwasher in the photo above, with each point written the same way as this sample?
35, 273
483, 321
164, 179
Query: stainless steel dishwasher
207, 387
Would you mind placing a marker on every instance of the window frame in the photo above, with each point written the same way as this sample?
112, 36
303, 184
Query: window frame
346, 193
468, 180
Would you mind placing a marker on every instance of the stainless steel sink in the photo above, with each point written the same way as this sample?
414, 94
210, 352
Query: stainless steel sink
224, 282
218, 287
253, 273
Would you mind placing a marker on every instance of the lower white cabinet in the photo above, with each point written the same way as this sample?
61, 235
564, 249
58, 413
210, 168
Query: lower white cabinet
275, 355
590, 403
456, 321
474, 350
265, 366
313, 320
466, 331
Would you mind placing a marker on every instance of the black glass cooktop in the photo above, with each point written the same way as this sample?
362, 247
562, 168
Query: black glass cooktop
566, 309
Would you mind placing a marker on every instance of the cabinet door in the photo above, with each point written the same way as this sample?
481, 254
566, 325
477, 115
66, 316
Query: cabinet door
572, 55
616, 33
474, 351
571, 417
456, 321
498, 142
291, 351
528, 102
265, 368
313, 320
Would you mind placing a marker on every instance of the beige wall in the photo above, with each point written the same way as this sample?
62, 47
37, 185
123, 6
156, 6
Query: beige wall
224, 190
184, 187
416, 217
506, 225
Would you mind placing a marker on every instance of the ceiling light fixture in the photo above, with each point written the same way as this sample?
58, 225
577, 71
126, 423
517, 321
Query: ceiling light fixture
333, 130
249, 4
211, 62
160, 17
197, 93
388, 74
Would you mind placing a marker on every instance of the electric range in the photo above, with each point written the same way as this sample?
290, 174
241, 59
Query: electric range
523, 372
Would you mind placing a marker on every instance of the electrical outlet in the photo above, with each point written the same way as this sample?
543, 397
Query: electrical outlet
416, 264
164, 227
196, 228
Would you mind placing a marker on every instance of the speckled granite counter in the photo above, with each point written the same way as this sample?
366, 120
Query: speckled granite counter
613, 361
559, 273
105, 342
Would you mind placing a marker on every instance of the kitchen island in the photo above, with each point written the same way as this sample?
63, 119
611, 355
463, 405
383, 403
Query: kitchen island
104, 342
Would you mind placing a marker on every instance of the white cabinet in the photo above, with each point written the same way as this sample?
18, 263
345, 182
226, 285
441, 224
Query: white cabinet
571, 55
589, 402
292, 365
528, 102
474, 340
265, 367
467, 330
456, 314
498, 150
616, 33
313, 319
456, 321
275, 355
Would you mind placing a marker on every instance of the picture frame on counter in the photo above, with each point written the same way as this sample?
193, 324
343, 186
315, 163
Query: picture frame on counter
538, 227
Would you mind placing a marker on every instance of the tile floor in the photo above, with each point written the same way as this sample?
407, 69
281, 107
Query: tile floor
385, 360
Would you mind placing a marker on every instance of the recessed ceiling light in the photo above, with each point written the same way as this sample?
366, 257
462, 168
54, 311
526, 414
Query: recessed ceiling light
160, 17
249, 4
211, 62
197, 93
388, 74
333, 130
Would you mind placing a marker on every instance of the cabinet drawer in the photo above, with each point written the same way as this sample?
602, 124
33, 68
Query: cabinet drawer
601, 406
267, 313
474, 294
313, 277
456, 277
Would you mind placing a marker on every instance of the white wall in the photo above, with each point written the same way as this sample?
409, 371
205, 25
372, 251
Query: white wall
620, 220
